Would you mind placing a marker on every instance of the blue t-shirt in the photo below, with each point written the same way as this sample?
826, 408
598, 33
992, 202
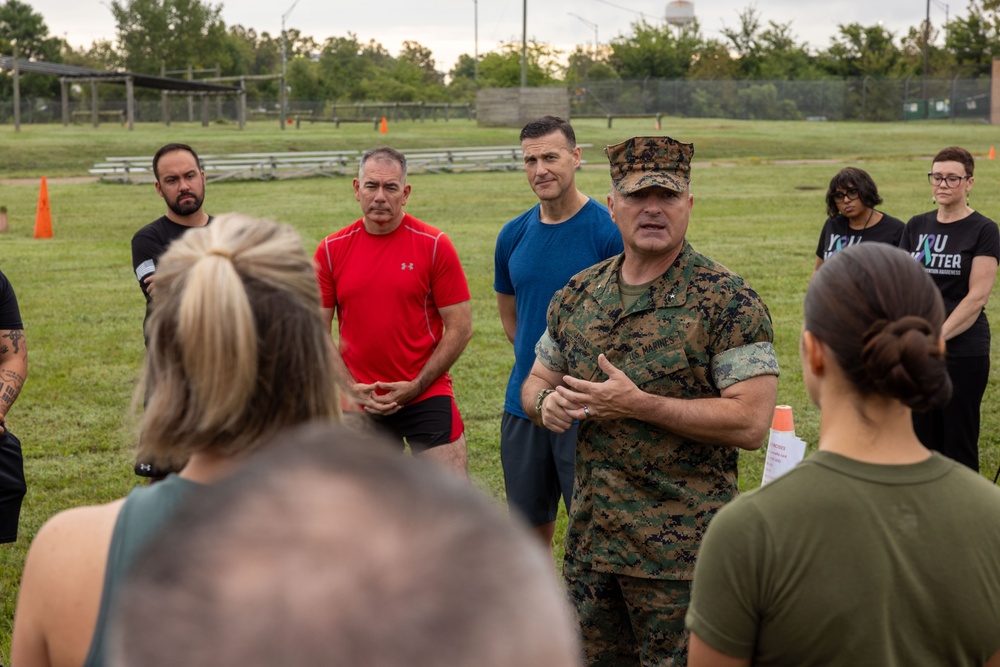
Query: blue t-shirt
533, 261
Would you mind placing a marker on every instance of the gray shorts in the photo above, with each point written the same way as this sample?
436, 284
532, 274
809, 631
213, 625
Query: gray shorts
537, 468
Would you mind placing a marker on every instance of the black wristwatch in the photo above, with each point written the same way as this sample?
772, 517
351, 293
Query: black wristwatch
540, 399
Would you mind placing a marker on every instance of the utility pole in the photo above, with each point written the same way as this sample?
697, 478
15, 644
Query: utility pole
524, 44
284, 67
927, 40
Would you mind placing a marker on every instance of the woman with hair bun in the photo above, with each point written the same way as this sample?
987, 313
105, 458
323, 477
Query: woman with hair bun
851, 199
874, 550
959, 248
237, 352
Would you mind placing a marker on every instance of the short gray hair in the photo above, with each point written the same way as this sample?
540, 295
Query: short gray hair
383, 154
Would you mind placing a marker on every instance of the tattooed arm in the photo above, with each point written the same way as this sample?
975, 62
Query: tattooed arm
13, 368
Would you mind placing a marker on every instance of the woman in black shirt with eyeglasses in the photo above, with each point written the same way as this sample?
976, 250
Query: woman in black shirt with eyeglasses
959, 248
850, 204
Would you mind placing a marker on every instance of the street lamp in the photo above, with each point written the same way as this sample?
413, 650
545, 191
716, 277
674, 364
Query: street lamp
592, 25
284, 65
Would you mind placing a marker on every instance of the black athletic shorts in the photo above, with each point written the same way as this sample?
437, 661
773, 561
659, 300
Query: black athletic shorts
538, 467
431, 422
12, 485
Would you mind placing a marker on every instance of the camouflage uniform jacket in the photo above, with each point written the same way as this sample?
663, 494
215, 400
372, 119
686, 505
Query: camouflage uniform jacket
643, 495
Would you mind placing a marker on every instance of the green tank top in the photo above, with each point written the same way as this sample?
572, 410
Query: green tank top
145, 510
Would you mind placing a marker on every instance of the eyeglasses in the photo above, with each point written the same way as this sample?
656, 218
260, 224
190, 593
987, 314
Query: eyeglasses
850, 193
938, 179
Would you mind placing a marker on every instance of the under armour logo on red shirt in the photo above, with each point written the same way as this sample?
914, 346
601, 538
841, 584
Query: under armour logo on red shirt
406, 266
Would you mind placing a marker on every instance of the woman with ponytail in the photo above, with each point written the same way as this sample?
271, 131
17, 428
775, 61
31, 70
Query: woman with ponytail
237, 352
874, 550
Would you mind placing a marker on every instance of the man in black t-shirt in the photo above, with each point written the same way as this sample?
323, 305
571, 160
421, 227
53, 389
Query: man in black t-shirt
13, 371
180, 180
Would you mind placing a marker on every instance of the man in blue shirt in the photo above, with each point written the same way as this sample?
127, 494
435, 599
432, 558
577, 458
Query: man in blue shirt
536, 254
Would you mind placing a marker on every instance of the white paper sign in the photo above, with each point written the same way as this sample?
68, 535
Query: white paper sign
784, 452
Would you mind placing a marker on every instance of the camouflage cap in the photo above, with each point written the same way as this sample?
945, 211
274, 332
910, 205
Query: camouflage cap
644, 162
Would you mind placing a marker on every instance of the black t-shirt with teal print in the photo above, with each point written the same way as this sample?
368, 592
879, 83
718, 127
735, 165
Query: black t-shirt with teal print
946, 250
837, 234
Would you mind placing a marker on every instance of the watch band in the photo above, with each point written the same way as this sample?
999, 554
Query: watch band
541, 399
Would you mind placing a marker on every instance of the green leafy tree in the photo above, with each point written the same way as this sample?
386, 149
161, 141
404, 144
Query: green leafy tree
974, 41
20, 24
347, 67
462, 84
768, 52
177, 33
416, 60
782, 57
502, 68
582, 66
859, 51
655, 51
713, 61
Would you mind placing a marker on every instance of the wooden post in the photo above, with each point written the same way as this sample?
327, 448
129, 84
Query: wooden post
204, 110
130, 103
165, 101
93, 104
242, 112
64, 94
995, 93
190, 77
17, 91
218, 98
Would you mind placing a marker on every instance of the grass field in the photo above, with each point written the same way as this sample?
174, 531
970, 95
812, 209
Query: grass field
758, 209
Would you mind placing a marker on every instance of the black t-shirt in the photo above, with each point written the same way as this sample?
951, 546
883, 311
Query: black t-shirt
147, 245
10, 316
837, 234
946, 250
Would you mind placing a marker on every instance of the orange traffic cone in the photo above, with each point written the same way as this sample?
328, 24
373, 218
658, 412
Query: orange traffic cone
3, 219
383, 127
993, 153
43, 218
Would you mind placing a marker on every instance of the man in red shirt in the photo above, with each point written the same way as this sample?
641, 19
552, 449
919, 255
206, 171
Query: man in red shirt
403, 313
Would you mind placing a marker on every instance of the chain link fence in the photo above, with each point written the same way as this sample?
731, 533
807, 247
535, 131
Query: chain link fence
196, 109
867, 100
853, 99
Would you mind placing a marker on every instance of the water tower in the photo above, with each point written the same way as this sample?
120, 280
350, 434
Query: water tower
680, 13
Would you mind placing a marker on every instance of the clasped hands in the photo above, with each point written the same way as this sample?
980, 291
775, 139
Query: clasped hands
579, 400
390, 396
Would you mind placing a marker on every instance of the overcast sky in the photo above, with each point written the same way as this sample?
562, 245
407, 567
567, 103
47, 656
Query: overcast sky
447, 27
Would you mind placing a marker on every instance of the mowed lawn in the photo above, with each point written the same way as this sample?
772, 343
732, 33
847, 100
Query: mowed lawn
759, 206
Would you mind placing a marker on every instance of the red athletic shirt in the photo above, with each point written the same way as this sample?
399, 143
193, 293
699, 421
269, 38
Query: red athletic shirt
387, 290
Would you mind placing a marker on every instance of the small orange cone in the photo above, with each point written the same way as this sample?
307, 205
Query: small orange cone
993, 153
4, 226
43, 218
782, 420
383, 127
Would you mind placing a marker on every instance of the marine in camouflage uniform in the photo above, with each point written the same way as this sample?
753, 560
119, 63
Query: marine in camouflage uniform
650, 475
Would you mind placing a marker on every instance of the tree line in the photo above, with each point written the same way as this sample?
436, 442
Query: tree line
174, 35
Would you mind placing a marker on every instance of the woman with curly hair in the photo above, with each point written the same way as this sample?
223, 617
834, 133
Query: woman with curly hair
851, 216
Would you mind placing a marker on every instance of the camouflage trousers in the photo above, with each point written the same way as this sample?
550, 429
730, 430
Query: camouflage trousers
627, 620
